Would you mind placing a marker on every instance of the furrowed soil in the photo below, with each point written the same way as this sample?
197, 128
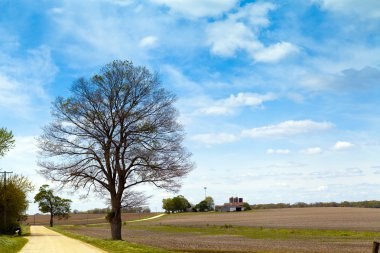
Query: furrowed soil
340, 218
276, 230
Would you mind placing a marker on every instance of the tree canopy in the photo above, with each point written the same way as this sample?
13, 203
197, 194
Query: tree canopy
206, 205
118, 129
50, 203
6, 141
176, 204
13, 202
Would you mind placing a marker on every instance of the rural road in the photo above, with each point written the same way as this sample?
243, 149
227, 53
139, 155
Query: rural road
43, 240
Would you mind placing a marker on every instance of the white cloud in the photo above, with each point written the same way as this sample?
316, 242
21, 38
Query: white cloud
23, 80
286, 129
24, 146
311, 151
364, 9
339, 145
239, 32
275, 52
198, 8
214, 138
228, 105
283, 129
149, 41
350, 79
278, 151
226, 37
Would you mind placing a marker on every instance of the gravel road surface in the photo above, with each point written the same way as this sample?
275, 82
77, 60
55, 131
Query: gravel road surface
43, 240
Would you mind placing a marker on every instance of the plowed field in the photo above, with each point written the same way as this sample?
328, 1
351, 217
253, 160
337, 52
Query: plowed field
277, 230
340, 218
83, 219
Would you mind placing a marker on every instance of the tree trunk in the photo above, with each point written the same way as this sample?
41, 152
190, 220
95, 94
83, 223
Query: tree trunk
51, 219
116, 219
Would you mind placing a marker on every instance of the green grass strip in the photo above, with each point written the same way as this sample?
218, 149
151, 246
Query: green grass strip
111, 246
9, 244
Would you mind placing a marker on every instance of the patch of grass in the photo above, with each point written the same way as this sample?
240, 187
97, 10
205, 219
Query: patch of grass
10, 244
111, 245
25, 230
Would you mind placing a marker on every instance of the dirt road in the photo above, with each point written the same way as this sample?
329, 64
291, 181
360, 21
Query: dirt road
43, 240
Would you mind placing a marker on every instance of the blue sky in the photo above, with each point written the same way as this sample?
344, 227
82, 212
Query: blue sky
279, 99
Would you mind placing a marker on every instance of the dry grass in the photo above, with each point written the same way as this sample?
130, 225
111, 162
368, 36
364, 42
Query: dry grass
258, 231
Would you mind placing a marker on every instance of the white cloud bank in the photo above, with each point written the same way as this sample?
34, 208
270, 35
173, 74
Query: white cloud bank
287, 129
282, 130
239, 32
340, 145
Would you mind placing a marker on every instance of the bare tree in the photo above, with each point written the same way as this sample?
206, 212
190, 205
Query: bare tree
133, 199
117, 130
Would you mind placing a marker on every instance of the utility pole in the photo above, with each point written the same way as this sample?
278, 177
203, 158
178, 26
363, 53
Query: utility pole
205, 190
5, 200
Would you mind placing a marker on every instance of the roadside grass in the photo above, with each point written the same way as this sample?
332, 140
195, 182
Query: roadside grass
110, 245
11, 244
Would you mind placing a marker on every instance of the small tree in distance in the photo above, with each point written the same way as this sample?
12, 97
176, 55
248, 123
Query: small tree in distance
176, 204
49, 203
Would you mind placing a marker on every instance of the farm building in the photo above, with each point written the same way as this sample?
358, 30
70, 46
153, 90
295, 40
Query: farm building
234, 205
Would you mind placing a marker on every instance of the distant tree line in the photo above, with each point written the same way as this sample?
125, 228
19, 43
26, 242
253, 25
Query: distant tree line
180, 204
365, 204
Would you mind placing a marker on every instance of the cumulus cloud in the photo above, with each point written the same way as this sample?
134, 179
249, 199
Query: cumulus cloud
239, 31
339, 145
286, 129
311, 151
278, 151
198, 8
228, 105
276, 52
367, 9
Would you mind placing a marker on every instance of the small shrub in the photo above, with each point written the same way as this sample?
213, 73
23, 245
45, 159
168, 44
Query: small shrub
226, 226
